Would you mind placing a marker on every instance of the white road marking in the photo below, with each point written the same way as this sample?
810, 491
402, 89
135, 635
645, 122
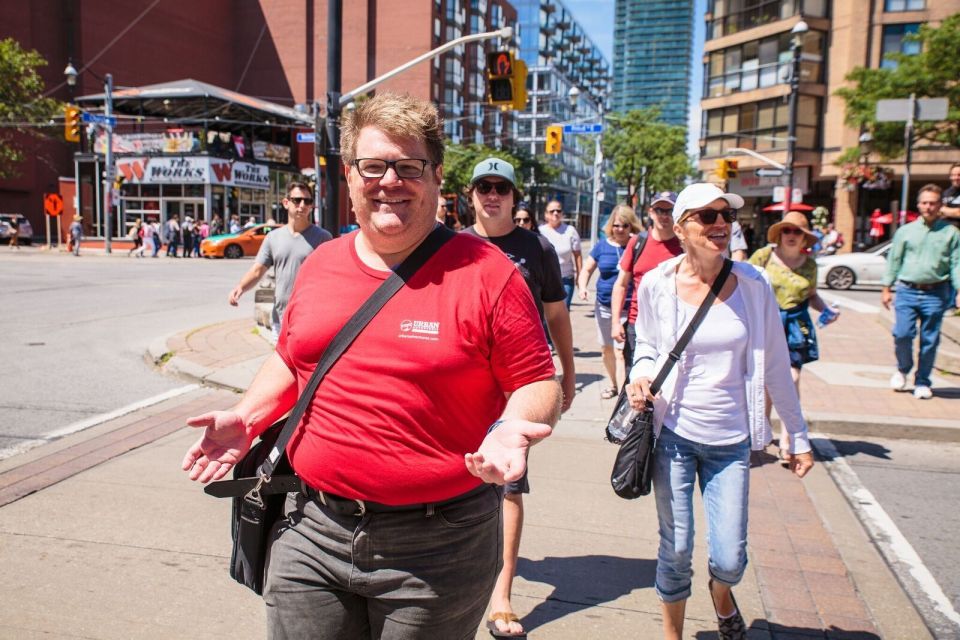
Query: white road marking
881, 527
849, 303
93, 421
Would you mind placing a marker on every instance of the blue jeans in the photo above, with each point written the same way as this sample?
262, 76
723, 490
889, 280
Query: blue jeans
724, 478
403, 575
568, 287
909, 306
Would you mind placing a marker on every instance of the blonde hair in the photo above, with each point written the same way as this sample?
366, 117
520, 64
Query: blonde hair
627, 214
400, 115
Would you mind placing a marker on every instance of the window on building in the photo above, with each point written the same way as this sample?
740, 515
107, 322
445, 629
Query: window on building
893, 42
761, 126
904, 5
762, 63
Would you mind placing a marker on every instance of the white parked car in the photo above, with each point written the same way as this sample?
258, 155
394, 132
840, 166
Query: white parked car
842, 271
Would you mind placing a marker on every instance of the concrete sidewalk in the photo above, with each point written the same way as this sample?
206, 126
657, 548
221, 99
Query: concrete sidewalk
104, 537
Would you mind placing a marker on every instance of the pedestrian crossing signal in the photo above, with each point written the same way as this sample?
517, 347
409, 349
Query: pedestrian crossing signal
554, 141
71, 123
506, 80
733, 169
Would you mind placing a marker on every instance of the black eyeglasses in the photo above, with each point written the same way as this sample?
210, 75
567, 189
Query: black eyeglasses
485, 187
405, 168
522, 220
298, 201
709, 216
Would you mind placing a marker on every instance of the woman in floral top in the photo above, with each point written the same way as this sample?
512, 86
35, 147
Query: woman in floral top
793, 274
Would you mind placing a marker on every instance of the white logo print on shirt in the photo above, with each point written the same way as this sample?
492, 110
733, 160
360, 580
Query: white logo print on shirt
419, 330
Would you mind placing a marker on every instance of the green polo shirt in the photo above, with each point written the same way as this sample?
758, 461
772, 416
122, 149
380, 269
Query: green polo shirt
924, 255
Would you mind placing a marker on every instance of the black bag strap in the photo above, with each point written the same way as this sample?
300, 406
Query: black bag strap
349, 332
674, 355
638, 247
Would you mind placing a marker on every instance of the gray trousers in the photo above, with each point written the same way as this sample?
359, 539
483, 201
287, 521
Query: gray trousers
407, 575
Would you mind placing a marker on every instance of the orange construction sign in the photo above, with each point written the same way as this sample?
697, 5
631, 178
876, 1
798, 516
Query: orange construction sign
52, 204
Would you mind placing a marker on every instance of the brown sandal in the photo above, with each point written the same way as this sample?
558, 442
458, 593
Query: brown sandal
503, 616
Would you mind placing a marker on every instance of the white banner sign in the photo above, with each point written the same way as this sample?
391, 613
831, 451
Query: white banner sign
193, 170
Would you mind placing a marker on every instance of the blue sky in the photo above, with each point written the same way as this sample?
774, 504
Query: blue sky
597, 19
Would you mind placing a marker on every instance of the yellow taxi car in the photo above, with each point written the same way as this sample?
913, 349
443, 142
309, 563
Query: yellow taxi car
236, 245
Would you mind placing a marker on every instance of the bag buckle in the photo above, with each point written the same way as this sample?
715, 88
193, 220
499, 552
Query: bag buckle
254, 495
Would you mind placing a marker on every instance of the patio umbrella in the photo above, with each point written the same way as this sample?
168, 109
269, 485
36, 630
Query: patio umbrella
887, 218
794, 206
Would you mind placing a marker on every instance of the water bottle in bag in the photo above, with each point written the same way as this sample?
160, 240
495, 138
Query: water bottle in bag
619, 425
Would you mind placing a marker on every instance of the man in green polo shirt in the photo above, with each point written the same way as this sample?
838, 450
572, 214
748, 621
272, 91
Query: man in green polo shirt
923, 262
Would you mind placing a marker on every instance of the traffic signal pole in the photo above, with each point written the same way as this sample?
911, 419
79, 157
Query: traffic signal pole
108, 174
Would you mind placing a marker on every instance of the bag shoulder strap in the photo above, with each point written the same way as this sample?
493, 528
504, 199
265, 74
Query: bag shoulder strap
638, 247
349, 332
702, 310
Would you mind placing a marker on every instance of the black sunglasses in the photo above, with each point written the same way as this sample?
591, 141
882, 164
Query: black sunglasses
709, 216
662, 211
522, 220
484, 187
298, 201
619, 226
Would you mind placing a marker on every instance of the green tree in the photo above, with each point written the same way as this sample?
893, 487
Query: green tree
932, 73
24, 111
646, 150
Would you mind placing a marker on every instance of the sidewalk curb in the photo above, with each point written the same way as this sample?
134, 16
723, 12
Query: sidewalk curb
881, 426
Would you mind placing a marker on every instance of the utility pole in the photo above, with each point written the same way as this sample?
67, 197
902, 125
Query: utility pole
108, 173
908, 154
597, 183
318, 136
798, 31
331, 208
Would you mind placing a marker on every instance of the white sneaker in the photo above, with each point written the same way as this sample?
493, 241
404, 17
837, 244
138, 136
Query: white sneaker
898, 382
922, 392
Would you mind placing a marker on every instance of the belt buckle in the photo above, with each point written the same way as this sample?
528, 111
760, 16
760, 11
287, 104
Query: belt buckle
361, 506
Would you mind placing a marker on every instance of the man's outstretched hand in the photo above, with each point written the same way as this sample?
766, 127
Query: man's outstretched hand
223, 444
502, 456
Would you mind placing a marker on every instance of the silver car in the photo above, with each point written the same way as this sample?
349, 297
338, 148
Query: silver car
843, 270
7, 220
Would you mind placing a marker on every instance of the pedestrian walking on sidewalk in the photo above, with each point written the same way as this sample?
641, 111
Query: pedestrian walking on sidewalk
709, 412
172, 236
284, 249
644, 252
621, 226
924, 264
494, 195
76, 234
136, 235
396, 532
566, 242
792, 272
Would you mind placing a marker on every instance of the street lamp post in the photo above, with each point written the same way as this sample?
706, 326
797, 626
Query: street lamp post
798, 31
573, 95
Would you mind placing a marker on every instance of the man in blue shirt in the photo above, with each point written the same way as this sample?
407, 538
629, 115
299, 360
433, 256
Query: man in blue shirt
923, 262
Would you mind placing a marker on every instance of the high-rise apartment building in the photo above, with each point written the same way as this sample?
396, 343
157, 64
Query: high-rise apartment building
747, 62
652, 61
561, 57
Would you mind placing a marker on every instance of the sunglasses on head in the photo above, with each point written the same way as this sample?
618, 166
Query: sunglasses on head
709, 216
484, 187
297, 201
522, 220
791, 231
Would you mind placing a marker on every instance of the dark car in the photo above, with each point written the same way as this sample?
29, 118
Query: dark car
8, 220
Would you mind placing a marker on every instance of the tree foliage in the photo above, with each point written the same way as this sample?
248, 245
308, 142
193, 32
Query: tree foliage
23, 108
932, 73
639, 143
460, 159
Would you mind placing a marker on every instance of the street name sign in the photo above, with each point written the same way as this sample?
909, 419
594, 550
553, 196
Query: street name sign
764, 172
899, 110
592, 127
305, 137
96, 118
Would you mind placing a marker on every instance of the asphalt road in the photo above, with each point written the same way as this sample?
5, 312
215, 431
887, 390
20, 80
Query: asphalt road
76, 329
916, 483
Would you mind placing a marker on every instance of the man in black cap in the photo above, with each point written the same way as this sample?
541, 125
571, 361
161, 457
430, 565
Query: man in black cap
494, 195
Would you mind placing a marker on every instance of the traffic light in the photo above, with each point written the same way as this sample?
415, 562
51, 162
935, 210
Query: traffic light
71, 123
519, 84
554, 140
723, 168
732, 169
500, 78
118, 181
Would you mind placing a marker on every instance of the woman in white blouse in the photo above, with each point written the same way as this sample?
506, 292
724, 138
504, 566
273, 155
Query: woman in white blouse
709, 413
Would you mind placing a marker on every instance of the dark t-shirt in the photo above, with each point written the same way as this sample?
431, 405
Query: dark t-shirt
951, 198
537, 261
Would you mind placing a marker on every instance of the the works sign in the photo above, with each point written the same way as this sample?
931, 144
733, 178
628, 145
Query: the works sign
194, 170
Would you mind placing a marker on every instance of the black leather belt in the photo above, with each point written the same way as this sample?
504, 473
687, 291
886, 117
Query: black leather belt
357, 508
922, 286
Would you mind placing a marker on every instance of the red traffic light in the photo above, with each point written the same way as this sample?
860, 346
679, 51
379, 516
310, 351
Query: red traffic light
499, 64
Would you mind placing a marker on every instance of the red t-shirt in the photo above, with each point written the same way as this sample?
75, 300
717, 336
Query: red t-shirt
425, 379
654, 252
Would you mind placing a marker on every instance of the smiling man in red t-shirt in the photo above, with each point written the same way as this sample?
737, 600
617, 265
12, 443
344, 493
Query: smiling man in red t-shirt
443, 391
661, 244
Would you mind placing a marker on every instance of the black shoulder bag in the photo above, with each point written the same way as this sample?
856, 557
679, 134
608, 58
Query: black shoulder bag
262, 479
633, 467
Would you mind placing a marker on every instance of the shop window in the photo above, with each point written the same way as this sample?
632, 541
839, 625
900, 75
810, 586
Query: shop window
893, 42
